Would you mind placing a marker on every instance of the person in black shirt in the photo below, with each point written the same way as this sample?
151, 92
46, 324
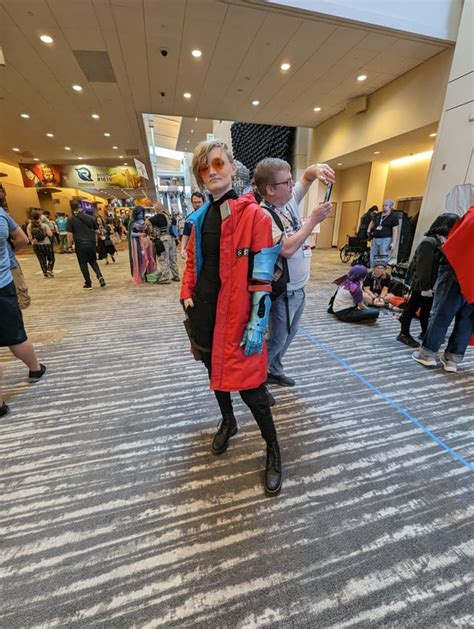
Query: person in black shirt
365, 221
82, 229
165, 225
376, 286
384, 231
197, 201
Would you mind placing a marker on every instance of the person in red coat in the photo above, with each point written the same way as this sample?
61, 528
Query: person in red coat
226, 296
454, 299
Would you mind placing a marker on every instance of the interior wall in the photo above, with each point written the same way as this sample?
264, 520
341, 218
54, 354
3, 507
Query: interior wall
412, 101
407, 180
352, 185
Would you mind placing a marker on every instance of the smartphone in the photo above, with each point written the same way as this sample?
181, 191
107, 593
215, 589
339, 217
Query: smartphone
327, 196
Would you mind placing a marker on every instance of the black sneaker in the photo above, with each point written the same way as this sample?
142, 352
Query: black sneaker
102, 282
282, 381
87, 287
176, 279
4, 410
34, 376
407, 339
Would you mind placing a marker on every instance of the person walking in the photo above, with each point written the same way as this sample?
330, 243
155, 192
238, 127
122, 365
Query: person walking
226, 296
422, 275
61, 223
167, 231
12, 330
41, 236
82, 231
384, 231
281, 199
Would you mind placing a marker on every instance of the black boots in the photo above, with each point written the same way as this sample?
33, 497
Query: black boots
272, 480
226, 430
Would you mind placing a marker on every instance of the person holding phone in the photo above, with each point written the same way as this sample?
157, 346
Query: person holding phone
281, 199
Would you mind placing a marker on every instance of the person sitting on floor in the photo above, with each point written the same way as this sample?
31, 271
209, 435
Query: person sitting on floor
348, 303
376, 287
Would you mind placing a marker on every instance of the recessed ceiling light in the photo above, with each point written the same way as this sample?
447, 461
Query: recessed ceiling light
80, 157
255, 102
339, 164
192, 130
362, 77
125, 163
25, 115
36, 159
196, 53
195, 119
187, 95
433, 135
285, 66
107, 135
120, 156
77, 88
95, 116
316, 108
15, 149
67, 148
46, 39
50, 135
376, 152
115, 148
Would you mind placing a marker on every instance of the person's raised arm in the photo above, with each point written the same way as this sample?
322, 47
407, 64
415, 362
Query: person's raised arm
323, 172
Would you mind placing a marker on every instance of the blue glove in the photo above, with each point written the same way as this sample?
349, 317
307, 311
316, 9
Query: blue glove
257, 326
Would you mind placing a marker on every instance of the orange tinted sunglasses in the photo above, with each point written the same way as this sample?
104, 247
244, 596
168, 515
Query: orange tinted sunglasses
217, 164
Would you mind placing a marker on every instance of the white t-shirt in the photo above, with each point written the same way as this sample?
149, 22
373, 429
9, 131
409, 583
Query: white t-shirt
299, 264
343, 300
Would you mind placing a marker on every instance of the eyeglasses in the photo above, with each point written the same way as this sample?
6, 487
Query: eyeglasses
288, 183
217, 164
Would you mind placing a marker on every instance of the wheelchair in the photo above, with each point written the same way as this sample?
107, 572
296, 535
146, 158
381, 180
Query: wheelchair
356, 248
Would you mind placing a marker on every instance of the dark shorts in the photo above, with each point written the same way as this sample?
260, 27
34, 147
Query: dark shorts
12, 330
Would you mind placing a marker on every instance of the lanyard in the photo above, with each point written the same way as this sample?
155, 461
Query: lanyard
286, 214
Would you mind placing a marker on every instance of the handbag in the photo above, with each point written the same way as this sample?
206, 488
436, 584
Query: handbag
159, 246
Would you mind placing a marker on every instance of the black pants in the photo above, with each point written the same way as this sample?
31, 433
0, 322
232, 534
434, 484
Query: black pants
86, 254
256, 400
45, 255
354, 315
416, 301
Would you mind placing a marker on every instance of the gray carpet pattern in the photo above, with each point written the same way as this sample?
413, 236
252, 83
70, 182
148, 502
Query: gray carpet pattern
115, 513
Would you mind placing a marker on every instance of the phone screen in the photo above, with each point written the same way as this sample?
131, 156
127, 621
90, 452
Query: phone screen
327, 196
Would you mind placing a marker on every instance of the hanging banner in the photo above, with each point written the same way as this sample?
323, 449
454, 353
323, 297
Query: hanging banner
41, 175
141, 168
81, 176
86, 176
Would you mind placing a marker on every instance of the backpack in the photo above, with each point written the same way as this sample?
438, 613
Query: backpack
279, 285
37, 232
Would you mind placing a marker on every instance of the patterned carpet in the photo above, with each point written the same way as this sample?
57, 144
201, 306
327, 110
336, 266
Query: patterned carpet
115, 513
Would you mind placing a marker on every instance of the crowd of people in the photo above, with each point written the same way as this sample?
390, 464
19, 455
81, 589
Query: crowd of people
247, 263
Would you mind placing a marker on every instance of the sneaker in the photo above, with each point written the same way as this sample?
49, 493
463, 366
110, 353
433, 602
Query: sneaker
34, 376
163, 281
176, 279
449, 365
282, 381
87, 287
102, 282
51, 274
423, 359
4, 410
407, 339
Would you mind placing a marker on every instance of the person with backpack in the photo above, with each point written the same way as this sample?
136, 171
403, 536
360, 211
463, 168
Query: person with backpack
41, 237
167, 232
281, 199
82, 231
422, 275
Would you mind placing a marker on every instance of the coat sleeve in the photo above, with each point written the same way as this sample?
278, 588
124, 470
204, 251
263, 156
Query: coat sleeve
189, 276
424, 266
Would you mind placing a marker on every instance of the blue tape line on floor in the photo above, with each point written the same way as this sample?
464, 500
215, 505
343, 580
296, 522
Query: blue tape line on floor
396, 406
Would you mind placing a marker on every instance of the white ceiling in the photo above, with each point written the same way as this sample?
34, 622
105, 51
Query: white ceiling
243, 46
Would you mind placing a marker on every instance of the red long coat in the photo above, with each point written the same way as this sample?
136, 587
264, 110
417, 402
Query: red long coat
459, 249
247, 230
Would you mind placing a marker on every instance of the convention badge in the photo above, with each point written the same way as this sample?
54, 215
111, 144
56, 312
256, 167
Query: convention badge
307, 253
225, 210
378, 228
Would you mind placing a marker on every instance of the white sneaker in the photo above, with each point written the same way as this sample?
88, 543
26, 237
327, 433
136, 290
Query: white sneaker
423, 359
449, 365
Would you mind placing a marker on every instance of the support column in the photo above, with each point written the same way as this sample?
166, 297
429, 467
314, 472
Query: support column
452, 161
377, 184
